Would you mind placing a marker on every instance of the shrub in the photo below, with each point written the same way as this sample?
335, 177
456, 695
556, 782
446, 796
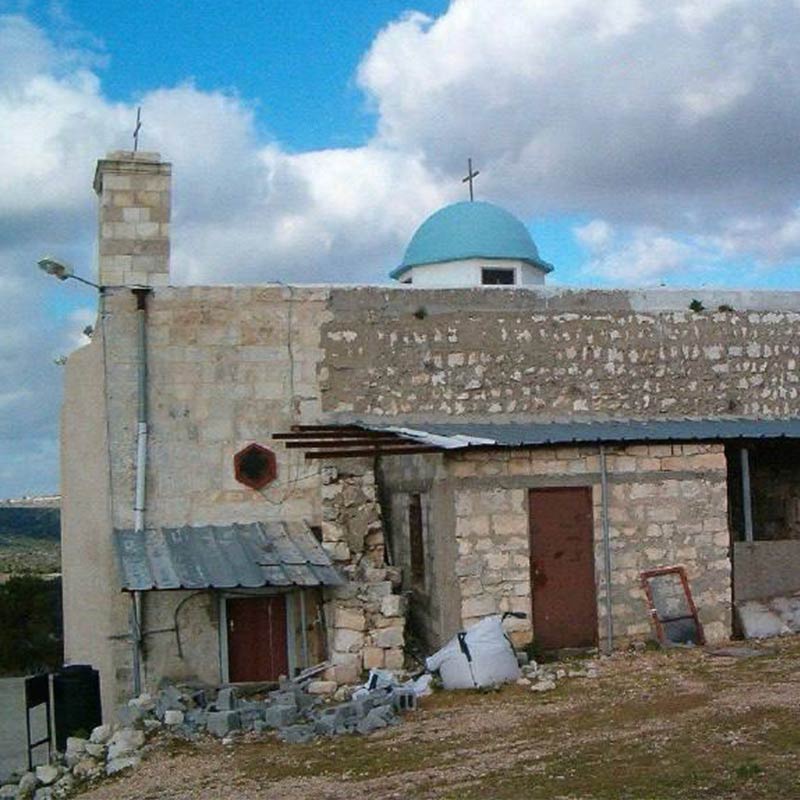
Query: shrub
30, 625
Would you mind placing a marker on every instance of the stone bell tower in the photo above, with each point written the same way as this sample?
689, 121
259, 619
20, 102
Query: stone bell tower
134, 190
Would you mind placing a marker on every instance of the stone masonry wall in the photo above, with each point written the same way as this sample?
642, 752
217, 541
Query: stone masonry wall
434, 606
546, 353
134, 211
667, 506
229, 366
366, 617
493, 564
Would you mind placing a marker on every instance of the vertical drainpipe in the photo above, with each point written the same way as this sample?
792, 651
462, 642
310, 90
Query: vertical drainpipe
139, 501
747, 495
609, 646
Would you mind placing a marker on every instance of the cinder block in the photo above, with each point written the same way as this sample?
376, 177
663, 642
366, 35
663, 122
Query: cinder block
297, 734
221, 723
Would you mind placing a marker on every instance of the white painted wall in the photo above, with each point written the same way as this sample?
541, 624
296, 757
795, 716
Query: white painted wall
467, 272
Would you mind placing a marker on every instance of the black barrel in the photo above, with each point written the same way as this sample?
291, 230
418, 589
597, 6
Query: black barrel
76, 702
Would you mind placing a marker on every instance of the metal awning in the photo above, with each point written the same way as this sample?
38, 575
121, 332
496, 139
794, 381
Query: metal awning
223, 557
450, 436
362, 438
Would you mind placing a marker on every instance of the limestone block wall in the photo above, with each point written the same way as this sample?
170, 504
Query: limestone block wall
493, 564
227, 367
367, 616
667, 506
556, 352
133, 245
94, 611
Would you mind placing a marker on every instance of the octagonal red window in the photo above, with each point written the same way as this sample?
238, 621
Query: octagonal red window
255, 466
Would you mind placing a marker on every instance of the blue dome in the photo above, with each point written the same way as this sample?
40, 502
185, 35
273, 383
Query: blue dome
470, 230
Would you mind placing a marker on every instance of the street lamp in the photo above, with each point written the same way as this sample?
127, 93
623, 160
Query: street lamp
62, 271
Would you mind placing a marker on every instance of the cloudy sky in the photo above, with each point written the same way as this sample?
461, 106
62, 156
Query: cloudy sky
644, 143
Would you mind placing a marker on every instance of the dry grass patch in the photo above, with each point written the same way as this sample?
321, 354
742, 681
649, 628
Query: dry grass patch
678, 724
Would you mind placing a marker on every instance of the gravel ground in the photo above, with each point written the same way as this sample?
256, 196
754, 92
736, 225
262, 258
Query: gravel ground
677, 724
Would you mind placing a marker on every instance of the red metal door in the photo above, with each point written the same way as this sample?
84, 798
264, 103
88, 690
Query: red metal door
257, 647
562, 568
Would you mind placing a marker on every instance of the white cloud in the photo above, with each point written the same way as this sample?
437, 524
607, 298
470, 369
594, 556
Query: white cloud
762, 236
673, 115
671, 126
595, 235
642, 256
79, 321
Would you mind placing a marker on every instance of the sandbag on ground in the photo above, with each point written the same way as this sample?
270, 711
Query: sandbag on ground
481, 656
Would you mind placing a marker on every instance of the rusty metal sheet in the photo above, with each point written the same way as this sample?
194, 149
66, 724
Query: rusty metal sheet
310, 548
286, 549
248, 555
164, 574
180, 552
132, 562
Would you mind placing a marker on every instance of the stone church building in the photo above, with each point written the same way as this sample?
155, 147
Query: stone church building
259, 479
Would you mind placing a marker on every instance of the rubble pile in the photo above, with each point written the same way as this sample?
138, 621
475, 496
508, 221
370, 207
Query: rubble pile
297, 714
545, 677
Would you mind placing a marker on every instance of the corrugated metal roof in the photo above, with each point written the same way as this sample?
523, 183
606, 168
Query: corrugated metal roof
223, 557
454, 436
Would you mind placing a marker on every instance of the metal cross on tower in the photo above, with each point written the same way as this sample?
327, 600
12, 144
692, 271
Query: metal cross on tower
470, 177
137, 129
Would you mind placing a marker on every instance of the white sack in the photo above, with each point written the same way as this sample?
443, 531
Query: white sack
493, 658
759, 621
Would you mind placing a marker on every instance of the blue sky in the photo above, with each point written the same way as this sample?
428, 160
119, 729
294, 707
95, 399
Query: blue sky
294, 60
644, 144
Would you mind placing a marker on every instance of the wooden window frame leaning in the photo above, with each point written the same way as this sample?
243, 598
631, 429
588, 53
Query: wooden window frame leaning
658, 622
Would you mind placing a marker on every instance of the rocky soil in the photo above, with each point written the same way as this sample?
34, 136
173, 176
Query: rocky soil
678, 724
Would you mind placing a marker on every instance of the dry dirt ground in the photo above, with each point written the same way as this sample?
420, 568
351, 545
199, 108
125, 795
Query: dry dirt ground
677, 724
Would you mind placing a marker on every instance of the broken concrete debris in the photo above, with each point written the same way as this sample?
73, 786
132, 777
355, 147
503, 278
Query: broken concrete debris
545, 677
295, 713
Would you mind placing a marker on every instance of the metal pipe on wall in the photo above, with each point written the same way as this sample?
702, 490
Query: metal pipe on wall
747, 495
606, 549
140, 491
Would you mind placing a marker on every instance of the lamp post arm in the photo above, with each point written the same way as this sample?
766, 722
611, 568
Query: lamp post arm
88, 283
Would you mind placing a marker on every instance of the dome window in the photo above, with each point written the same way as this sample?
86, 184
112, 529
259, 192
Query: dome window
493, 276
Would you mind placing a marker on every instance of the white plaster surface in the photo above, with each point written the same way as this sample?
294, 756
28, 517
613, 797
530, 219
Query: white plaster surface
467, 272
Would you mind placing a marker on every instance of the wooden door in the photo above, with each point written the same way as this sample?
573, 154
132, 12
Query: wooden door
562, 568
257, 646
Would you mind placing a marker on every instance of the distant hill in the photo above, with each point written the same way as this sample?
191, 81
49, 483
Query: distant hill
30, 535
30, 522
